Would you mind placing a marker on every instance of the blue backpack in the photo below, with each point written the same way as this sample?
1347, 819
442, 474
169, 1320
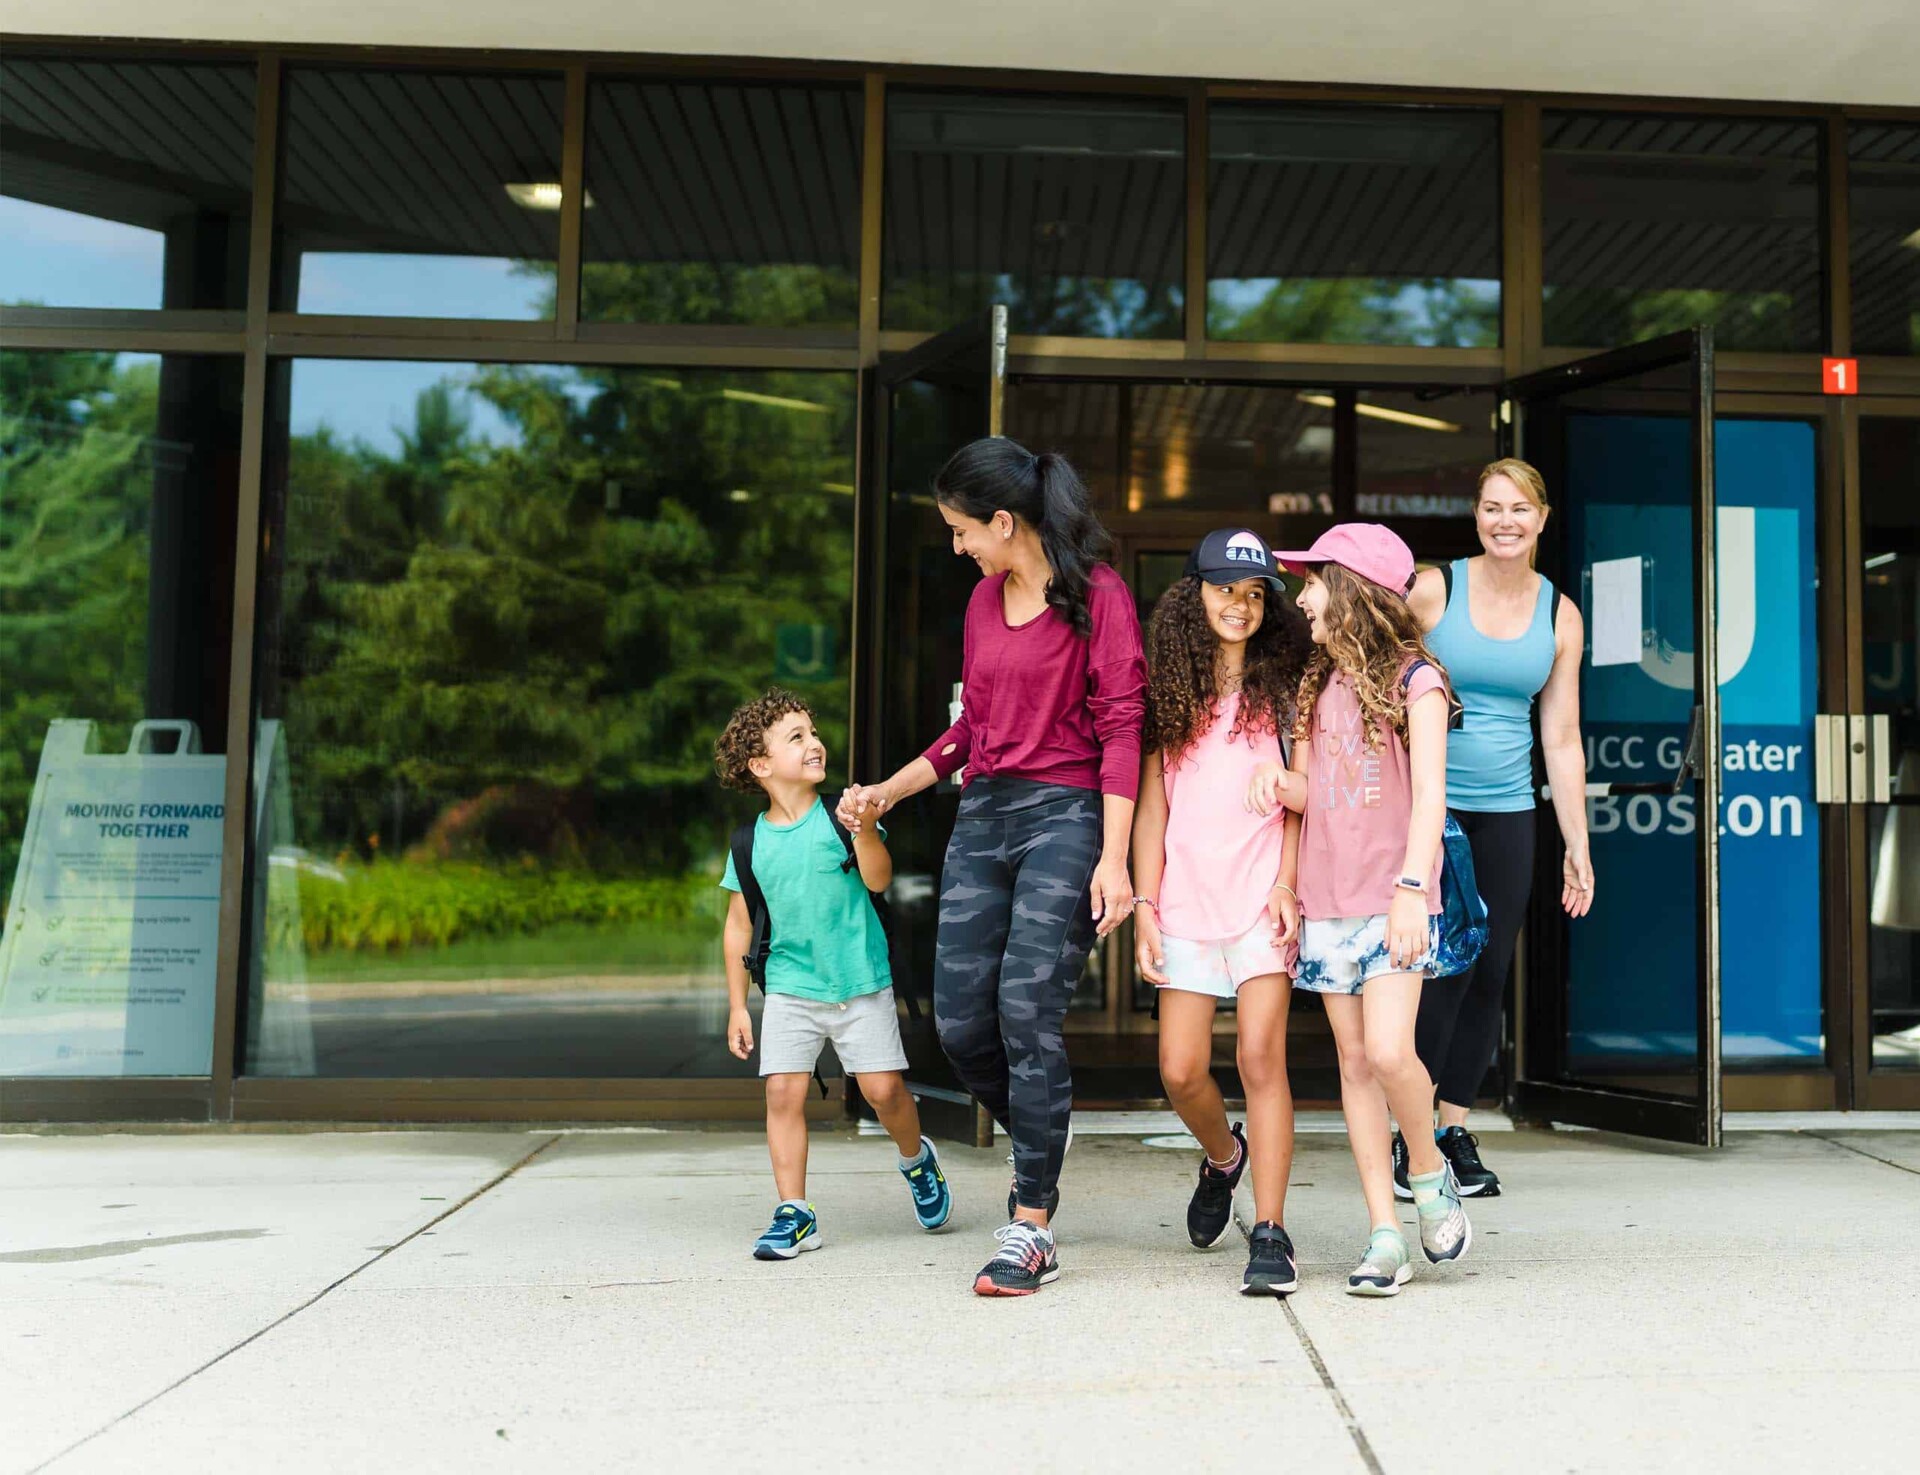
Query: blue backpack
1463, 915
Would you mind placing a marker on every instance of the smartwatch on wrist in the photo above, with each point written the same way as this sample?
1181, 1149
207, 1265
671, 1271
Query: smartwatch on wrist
1409, 883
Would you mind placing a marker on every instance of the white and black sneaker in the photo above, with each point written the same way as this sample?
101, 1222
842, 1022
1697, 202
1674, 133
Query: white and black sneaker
1210, 1210
1025, 1262
1401, 1189
1270, 1267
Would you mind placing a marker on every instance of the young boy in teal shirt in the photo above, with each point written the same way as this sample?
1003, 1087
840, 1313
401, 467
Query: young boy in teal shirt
827, 974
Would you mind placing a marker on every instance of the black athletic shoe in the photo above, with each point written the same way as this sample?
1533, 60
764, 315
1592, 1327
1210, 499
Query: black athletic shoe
1026, 1262
1401, 1188
1462, 1149
1270, 1269
1210, 1210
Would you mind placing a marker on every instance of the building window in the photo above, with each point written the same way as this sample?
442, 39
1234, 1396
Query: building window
125, 183
117, 502
1071, 211
1420, 456
1655, 223
1883, 243
720, 203
1353, 225
419, 194
504, 613
1250, 451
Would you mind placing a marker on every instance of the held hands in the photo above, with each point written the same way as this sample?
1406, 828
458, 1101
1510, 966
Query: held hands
859, 801
740, 1032
1576, 882
1112, 895
1268, 790
1407, 928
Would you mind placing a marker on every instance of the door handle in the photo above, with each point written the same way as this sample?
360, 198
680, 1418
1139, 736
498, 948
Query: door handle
1879, 758
1829, 758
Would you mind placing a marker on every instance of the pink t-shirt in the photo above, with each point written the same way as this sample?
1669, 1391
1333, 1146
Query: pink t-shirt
1222, 859
1359, 804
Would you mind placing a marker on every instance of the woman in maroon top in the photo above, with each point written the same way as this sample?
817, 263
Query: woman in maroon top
1053, 686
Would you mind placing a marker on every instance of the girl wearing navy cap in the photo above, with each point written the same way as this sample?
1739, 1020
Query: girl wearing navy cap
1213, 921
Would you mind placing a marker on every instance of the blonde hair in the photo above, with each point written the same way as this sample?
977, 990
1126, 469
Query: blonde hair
1531, 484
1375, 638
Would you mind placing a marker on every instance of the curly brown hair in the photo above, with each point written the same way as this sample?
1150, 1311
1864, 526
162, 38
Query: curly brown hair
1373, 636
1182, 657
745, 738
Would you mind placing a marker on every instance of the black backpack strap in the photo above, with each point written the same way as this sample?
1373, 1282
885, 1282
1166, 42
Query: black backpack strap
1446, 583
1456, 714
740, 846
1553, 604
902, 978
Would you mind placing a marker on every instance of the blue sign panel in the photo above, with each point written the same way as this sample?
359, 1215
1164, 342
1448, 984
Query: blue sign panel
1631, 963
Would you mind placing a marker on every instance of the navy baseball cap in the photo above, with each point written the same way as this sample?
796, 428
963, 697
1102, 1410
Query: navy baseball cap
1228, 555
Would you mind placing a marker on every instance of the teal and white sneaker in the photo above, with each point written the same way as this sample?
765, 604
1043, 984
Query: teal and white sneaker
1384, 1268
794, 1231
932, 1199
1445, 1233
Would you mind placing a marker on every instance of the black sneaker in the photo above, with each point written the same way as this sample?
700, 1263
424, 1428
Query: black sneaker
1270, 1269
1210, 1210
1026, 1262
1462, 1149
1401, 1188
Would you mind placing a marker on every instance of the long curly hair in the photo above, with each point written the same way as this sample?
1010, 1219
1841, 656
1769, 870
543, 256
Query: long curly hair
1373, 636
1182, 680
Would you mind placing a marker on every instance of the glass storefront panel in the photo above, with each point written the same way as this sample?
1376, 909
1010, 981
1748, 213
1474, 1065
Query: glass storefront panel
1890, 538
1079, 419
1072, 211
504, 613
118, 477
1654, 223
713, 202
1242, 451
1419, 458
125, 184
1883, 235
418, 194
1353, 225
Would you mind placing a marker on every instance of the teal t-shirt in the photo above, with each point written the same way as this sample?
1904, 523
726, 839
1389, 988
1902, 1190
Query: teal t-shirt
827, 942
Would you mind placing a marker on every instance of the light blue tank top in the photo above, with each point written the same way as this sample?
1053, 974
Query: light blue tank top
1490, 756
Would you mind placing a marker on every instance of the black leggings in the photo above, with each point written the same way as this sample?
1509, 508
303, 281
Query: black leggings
1459, 1023
1016, 924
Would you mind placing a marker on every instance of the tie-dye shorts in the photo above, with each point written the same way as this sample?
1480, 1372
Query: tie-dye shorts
1339, 954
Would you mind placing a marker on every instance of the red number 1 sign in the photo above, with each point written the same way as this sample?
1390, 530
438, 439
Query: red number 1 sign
1840, 376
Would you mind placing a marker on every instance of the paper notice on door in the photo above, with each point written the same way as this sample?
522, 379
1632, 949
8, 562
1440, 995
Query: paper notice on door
1616, 612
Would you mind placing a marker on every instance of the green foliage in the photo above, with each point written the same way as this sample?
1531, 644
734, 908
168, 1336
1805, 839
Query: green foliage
1434, 312
75, 483
1603, 317
386, 905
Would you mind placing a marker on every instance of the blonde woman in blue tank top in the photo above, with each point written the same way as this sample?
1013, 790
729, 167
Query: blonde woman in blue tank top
1507, 639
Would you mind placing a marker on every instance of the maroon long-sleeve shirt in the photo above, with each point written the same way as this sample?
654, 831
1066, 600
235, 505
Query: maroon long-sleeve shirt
1039, 702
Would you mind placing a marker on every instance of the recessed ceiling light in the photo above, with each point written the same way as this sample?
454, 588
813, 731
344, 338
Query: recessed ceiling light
541, 195
1383, 412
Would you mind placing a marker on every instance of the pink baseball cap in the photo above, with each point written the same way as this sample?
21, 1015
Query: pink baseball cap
1368, 549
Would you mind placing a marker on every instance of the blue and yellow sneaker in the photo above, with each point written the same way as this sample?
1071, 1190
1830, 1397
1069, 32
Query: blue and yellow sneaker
794, 1231
932, 1199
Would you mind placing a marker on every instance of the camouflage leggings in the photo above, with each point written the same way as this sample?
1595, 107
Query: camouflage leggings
1015, 927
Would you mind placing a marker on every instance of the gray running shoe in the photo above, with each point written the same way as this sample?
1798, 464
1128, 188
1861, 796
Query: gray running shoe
1384, 1268
1445, 1233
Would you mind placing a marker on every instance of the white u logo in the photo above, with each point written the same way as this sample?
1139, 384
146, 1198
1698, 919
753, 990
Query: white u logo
1738, 613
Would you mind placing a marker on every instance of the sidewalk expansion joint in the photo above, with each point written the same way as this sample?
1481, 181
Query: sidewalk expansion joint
1872, 1157
1340, 1404
311, 1301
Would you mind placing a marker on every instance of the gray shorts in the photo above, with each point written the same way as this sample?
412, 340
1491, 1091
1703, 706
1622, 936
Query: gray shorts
865, 1033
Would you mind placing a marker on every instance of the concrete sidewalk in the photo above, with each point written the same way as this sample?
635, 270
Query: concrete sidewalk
459, 1301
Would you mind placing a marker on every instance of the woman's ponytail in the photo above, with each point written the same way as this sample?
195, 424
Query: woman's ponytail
999, 475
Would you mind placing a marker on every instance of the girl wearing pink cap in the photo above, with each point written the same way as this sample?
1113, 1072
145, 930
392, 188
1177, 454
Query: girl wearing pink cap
1370, 738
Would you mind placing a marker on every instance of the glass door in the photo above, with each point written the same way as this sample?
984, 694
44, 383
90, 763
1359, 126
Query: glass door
1879, 754
1619, 1015
922, 405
